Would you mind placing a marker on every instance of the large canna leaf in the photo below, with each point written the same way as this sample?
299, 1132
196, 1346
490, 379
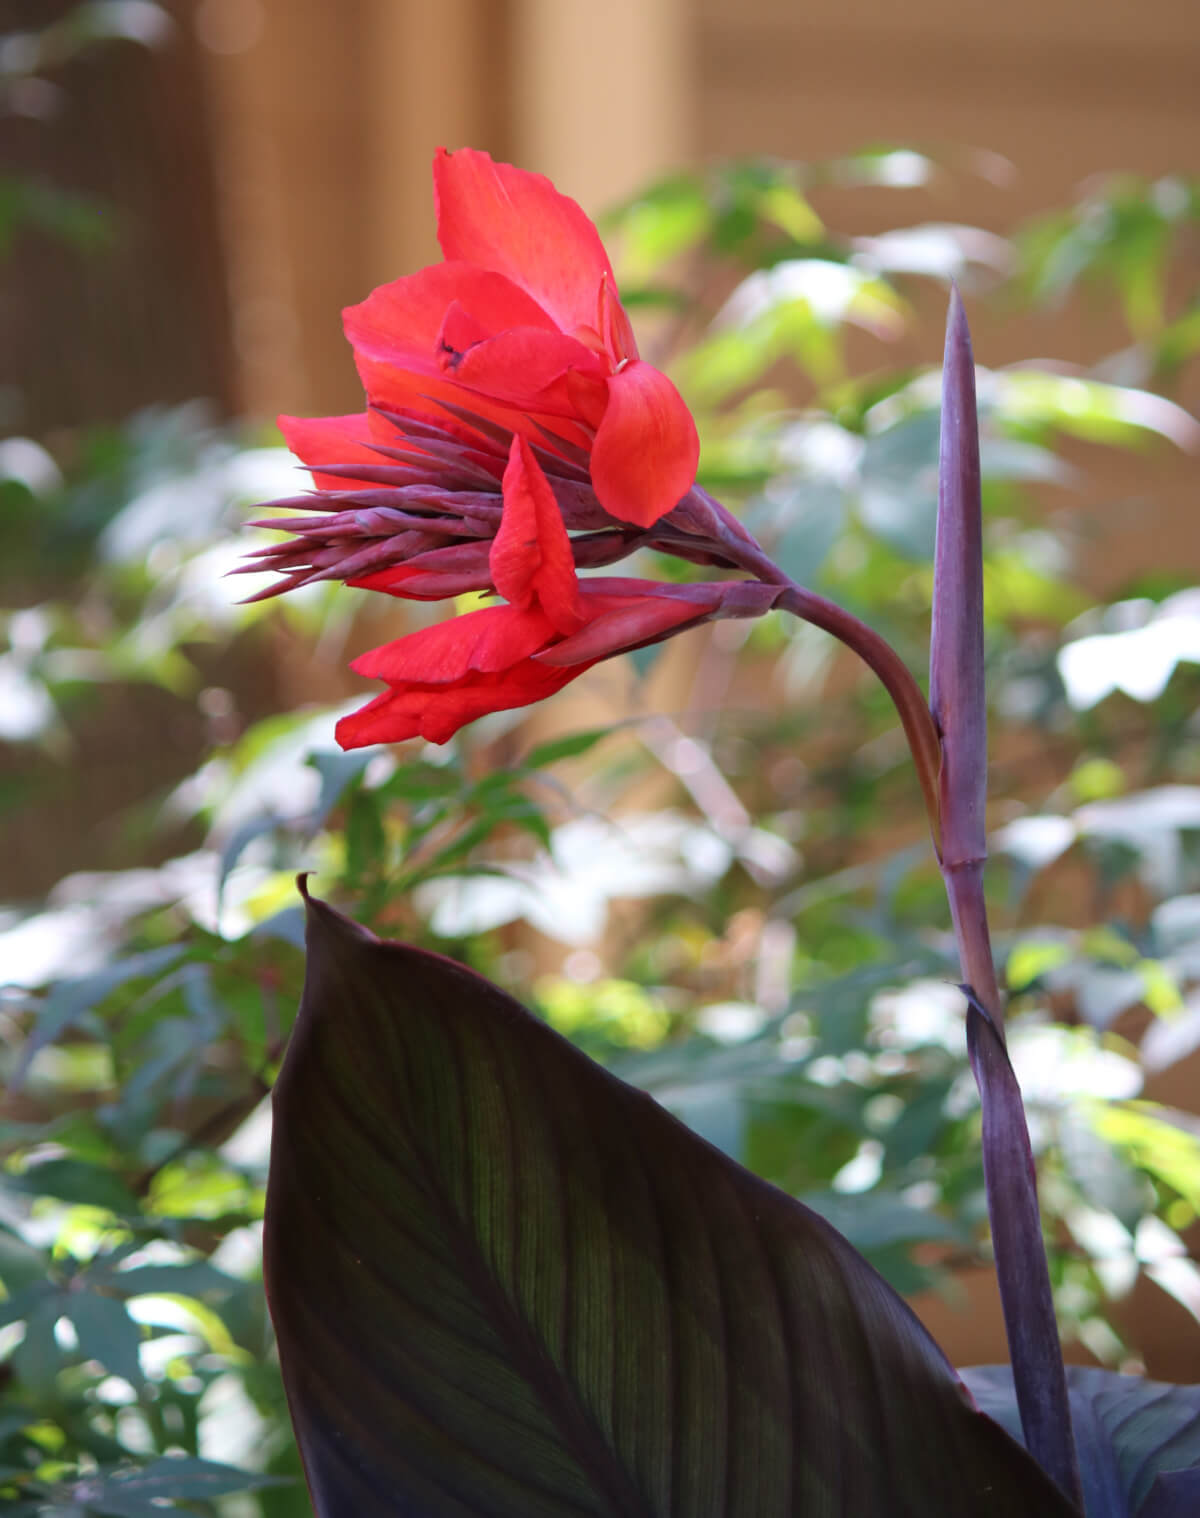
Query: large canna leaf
507, 1285
1139, 1441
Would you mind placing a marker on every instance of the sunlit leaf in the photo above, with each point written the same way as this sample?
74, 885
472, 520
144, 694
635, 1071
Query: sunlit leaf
663, 222
1085, 408
505, 1283
944, 250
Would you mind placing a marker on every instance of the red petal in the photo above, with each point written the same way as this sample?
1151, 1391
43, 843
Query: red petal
459, 331
437, 712
615, 325
401, 321
589, 397
396, 334
503, 218
646, 450
531, 559
523, 367
331, 440
486, 641
392, 387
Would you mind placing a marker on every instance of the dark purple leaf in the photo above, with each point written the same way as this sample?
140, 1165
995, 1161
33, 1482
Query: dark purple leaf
507, 1285
1020, 1253
1173, 1495
1139, 1441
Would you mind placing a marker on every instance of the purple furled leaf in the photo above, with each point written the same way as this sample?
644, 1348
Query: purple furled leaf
956, 672
958, 702
507, 1285
1139, 1441
1020, 1253
956, 675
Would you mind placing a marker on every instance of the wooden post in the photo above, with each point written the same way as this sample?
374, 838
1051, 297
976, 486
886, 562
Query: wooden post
601, 96
433, 77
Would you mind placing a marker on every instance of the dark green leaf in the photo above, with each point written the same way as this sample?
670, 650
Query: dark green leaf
20, 1263
337, 771
365, 839
74, 1181
70, 999
37, 1359
239, 841
899, 485
806, 518
181, 1477
420, 781
106, 1333
569, 747
192, 1278
24, 1302
505, 1283
875, 1219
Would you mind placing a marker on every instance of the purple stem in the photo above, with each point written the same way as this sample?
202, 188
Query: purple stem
957, 700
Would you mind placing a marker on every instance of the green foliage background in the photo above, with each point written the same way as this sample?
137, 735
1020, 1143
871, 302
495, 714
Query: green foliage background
732, 905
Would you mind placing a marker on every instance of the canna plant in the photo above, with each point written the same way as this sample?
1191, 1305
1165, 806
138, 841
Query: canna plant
503, 1282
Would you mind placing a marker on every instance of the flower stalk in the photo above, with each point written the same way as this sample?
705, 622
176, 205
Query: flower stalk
513, 438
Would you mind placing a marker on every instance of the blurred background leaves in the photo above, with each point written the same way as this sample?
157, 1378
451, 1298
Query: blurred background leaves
709, 868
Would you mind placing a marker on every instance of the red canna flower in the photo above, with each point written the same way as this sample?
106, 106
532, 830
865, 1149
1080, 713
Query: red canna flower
512, 438
522, 325
519, 333
553, 627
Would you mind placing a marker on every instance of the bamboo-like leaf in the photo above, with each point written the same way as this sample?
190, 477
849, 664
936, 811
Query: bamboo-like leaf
507, 1285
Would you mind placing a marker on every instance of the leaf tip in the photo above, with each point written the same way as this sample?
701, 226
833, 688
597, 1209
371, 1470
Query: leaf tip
319, 915
958, 331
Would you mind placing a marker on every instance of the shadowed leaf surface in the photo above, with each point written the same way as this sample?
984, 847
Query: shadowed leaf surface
1139, 1441
507, 1285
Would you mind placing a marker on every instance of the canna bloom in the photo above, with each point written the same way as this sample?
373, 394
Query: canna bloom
520, 326
513, 436
552, 627
522, 323
520, 332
